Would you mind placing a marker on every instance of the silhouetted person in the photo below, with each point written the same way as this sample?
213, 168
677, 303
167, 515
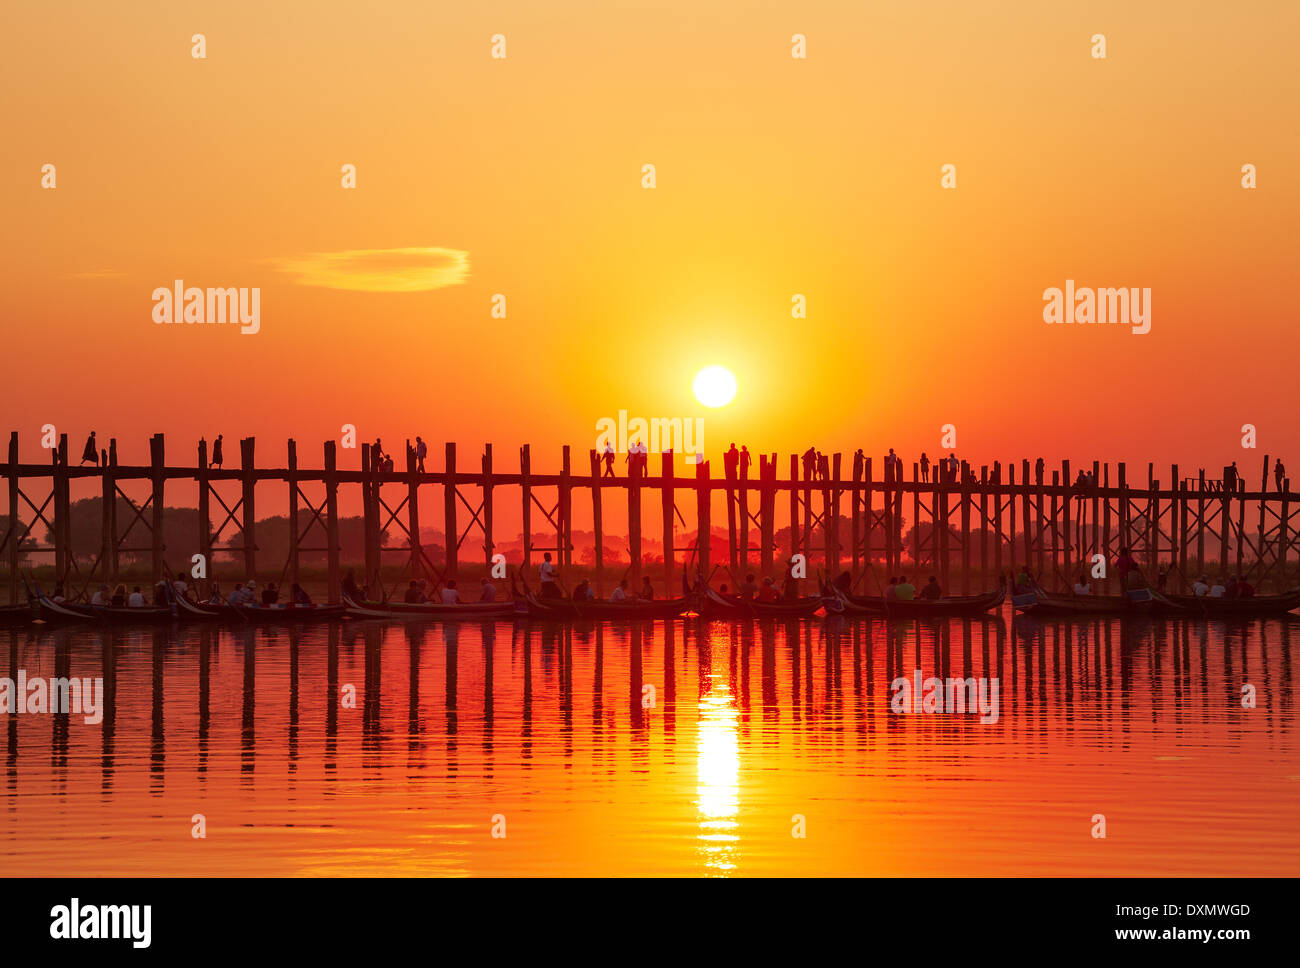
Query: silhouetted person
731, 461
90, 452
350, 588
608, 458
925, 467
1230, 478
421, 452
1038, 470
745, 460
1279, 474
269, 595
216, 453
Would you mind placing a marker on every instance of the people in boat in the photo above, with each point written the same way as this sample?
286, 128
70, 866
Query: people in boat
548, 575
349, 586
242, 595
1231, 591
90, 452
620, 593
932, 591
609, 459
58, 593
136, 599
1024, 583
270, 594
216, 454
215, 597
180, 586
160, 593
298, 596
450, 594
925, 467
119, 597
101, 597
891, 590
1081, 586
1218, 589
844, 582
413, 595
905, 591
1244, 588
582, 592
749, 590
1162, 580
487, 592
768, 593
1201, 587
647, 593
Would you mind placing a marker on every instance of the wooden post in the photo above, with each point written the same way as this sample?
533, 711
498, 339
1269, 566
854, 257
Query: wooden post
565, 509
855, 518
1200, 521
669, 506
332, 520
890, 530
916, 516
413, 512
833, 519
703, 516
729, 473
794, 505
743, 511
1011, 515
1056, 543
115, 556
1067, 535
984, 525
1225, 524
1153, 523
292, 450
767, 511
526, 489
939, 516
868, 513
15, 528
489, 515
205, 511
634, 472
1024, 518
997, 521
59, 533
248, 471
965, 527
597, 523
450, 527
157, 474
1180, 523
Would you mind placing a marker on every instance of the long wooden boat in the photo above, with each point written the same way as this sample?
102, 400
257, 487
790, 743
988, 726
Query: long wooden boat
13, 615
257, 614
528, 605
66, 612
425, 611
954, 605
1138, 601
713, 604
1256, 605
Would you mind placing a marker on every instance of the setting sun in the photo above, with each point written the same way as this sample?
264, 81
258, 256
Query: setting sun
715, 386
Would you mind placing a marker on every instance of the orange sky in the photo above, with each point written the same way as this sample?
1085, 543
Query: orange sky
775, 176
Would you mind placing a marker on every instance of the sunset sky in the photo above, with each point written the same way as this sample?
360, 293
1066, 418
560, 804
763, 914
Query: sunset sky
775, 176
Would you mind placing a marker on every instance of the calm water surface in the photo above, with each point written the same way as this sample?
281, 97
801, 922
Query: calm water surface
679, 748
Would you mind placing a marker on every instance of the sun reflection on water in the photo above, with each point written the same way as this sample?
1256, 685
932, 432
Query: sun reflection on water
718, 771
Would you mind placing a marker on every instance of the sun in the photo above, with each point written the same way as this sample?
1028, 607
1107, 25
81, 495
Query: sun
715, 386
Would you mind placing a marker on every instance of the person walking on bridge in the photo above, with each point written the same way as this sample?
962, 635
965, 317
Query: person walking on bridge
90, 452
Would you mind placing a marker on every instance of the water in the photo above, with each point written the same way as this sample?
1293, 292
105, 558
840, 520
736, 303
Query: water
548, 735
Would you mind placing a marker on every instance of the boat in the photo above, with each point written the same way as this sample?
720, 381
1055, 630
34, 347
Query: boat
428, 610
1138, 601
954, 605
66, 612
257, 614
712, 604
1254, 606
12, 615
528, 605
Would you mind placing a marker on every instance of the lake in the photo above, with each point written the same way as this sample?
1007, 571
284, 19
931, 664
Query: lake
680, 748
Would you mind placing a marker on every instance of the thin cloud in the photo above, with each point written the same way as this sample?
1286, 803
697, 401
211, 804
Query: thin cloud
378, 270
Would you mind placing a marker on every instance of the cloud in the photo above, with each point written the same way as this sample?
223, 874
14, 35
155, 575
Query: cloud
378, 270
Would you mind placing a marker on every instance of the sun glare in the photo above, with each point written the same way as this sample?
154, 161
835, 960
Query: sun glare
715, 386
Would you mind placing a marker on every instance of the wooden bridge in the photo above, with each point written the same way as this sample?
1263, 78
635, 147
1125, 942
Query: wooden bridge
978, 522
